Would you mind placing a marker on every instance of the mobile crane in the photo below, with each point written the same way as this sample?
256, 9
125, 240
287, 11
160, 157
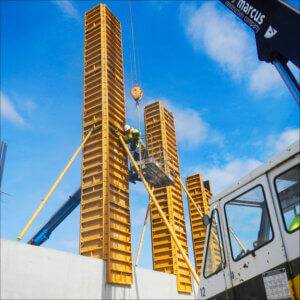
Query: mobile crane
267, 201
261, 211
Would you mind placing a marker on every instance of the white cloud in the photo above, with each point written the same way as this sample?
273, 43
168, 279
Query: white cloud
9, 112
67, 7
223, 176
220, 36
264, 78
191, 129
279, 142
224, 39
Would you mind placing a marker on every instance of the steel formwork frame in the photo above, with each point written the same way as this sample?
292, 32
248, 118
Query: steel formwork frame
161, 144
105, 215
200, 192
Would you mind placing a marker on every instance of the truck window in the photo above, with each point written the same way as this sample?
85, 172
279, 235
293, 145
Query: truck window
248, 222
214, 257
287, 188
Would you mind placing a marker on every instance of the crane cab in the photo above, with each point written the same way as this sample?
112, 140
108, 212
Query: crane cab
253, 235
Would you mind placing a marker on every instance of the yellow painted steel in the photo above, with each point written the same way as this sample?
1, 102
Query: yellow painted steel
190, 198
105, 215
142, 236
294, 285
161, 144
198, 197
52, 189
154, 202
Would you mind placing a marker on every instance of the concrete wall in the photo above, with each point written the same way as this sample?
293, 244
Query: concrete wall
29, 272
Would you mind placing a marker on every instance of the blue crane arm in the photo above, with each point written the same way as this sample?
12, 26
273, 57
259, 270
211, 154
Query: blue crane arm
44, 233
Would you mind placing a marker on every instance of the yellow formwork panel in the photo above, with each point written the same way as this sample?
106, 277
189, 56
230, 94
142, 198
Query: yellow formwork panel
105, 216
161, 144
200, 192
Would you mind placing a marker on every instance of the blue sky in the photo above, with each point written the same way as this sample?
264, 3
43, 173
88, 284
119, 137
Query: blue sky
232, 112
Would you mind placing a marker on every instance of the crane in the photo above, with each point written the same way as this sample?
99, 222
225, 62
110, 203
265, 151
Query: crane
68, 206
276, 25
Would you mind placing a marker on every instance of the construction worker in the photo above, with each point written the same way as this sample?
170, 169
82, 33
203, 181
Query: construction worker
133, 138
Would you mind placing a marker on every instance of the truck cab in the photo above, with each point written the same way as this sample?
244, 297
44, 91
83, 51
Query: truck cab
252, 239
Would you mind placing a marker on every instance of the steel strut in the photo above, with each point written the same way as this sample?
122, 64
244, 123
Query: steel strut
146, 219
142, 237
52, 189
189, 196
160, 211
198, 209
289, 79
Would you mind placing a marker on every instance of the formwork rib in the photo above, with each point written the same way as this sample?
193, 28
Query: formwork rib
105, 216
161, 144
200, 192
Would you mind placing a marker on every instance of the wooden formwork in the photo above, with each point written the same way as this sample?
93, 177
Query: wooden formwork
105, 216
201, 194
161, 144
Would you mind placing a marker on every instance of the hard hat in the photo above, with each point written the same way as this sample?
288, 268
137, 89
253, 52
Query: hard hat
136, 93
126, 127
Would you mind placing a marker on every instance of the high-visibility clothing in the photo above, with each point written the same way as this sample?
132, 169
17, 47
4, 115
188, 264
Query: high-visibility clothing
295, 223
133, 136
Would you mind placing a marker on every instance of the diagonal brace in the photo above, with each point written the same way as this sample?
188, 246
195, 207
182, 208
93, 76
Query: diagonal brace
160, 211
52, 189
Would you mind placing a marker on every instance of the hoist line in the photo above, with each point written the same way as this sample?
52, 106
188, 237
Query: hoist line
131, 66
138, 61
133, 44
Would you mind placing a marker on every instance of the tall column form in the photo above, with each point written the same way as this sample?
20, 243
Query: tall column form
200, 192
161, 143
105, 216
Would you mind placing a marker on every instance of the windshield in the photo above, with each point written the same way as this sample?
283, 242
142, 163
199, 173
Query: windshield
248, 222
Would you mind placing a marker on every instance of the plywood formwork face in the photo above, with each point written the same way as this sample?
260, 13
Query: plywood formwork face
201, 196
105, 215
161, 143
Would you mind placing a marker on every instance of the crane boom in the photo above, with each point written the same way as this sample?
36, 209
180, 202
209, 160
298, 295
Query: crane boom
276, 25
58, 217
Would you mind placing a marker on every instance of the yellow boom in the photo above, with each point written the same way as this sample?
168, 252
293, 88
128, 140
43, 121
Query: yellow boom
160, 211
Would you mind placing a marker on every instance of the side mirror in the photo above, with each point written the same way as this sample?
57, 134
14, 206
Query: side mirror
206, 220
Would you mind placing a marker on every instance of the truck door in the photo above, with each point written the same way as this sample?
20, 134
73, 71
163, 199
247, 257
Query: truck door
284, 183
257, 257
215, 277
